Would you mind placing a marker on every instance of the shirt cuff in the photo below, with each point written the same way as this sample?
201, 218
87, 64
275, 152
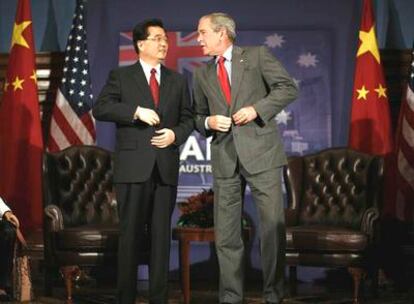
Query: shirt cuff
206, 124
3, 208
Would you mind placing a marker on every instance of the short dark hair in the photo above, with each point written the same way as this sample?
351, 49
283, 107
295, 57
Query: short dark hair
140, 31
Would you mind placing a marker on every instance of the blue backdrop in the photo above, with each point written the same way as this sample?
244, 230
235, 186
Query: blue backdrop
318, 49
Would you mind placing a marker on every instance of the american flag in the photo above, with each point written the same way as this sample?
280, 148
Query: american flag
404, 208
72, 122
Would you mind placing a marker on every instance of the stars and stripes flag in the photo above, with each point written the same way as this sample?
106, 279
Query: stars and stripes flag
71, 121
400, 203
21, 143
370, 125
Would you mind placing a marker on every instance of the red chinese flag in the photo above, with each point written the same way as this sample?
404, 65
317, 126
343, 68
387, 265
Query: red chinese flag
21, 143
370, 130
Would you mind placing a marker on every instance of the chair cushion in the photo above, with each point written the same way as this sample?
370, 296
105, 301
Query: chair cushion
325, 238
87, 238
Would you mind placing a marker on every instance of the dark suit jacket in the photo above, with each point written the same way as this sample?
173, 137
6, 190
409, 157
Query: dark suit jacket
135, 157
259, 80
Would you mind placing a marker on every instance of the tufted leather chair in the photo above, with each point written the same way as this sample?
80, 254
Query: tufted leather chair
81, 217
332, 214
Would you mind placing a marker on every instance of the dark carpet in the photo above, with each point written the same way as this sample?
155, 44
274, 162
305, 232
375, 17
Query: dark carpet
205, 294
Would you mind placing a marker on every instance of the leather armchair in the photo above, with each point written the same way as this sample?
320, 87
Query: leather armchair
80, 215
332, 215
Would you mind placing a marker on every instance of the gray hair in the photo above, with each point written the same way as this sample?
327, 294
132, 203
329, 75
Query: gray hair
222, 20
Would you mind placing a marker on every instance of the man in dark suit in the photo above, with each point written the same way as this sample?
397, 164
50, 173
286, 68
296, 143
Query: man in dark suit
8, 225
236, 98
150, 105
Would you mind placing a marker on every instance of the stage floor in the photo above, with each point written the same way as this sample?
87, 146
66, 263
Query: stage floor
206, 293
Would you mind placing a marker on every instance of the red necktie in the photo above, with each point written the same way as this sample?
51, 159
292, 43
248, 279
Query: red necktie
224, 79
155, 91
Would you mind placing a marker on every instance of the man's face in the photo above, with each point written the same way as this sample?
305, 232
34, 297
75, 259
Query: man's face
155, 47
209, 40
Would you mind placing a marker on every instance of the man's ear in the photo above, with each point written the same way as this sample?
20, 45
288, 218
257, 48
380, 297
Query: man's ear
223, 33
139, 45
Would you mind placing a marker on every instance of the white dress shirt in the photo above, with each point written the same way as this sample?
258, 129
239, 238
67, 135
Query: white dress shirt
227, 63
3, 208
147, 71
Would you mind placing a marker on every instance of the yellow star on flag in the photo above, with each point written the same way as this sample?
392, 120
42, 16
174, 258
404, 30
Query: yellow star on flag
381, 91
362, 93
17, 83
17, 37
368, 44
34, 77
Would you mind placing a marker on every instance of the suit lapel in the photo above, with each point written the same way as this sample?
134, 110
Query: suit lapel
143, 87
237, 69
165, 87
213, 82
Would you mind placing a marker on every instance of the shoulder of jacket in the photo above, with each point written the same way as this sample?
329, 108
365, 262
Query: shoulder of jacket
118, 71
253, 49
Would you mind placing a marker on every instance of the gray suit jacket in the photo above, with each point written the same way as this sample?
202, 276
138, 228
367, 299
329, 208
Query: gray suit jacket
258, 79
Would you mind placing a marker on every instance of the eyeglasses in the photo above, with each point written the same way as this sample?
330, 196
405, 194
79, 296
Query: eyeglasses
158, 39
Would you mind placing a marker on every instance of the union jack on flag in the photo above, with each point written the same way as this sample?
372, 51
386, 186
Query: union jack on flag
184, 53
72, 122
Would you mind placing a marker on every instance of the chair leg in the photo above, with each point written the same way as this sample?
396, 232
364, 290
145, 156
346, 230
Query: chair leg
357, 274
292, 280
69, 273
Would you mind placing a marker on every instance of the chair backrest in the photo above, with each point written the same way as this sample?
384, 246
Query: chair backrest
79, 181
334, 187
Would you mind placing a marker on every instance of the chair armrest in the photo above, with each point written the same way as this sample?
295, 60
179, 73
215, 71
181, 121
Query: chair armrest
369, 222
291, 217
53, 218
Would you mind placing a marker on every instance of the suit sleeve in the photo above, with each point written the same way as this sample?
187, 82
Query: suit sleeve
282, 89
186, 121
109, 107
200, 105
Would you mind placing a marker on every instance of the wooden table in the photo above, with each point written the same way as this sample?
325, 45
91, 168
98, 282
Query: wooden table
185, 236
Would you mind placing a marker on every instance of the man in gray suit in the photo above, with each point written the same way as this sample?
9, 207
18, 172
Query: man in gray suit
236, 98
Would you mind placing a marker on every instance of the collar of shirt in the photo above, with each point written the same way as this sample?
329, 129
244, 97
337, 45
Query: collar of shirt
147, 70
227, 54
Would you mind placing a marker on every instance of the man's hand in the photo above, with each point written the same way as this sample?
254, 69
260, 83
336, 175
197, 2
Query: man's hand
219, 123
164, 138
244, 115
148, 116
9, 216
